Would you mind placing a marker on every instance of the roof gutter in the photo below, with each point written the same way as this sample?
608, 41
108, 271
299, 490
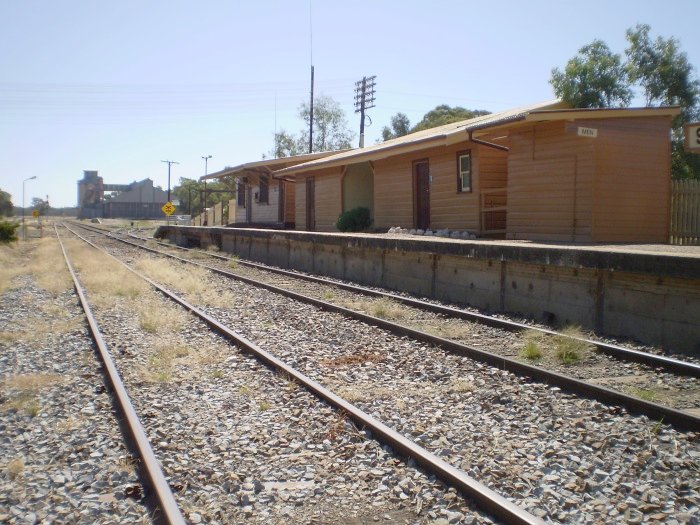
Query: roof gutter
485, 143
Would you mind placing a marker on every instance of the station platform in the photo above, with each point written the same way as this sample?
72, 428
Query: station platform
648, 293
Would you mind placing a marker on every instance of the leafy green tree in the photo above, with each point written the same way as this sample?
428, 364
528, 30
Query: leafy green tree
6, 207
287, 145
594, 78
41, 205
445, 114
665, 75
662, 70
331, 131
400, 126
194, 189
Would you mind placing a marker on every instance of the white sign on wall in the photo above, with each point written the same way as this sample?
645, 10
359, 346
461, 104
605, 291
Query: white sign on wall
692, 137
587, 132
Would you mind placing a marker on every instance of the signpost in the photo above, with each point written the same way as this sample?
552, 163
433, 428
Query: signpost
168, 208
35, 214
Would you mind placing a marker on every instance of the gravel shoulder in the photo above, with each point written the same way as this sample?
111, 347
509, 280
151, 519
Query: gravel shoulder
62, 455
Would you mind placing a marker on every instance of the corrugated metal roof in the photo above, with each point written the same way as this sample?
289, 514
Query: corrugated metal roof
426, 138
269, 163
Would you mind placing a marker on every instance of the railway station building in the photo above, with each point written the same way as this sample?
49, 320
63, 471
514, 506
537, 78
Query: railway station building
543, 172
261, 201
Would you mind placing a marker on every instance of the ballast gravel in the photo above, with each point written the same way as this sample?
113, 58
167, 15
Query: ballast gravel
562, 457
241, 444
62, 454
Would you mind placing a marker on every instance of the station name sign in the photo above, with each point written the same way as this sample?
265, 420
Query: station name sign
692, 137
587, 132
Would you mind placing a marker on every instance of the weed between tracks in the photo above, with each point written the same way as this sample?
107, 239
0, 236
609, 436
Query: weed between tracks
192, 281
566, 348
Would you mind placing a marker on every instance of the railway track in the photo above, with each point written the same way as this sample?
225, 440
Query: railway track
487, 499
63, 456
556, 454
659, 391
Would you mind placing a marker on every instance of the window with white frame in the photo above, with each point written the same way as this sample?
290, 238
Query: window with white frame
464, 171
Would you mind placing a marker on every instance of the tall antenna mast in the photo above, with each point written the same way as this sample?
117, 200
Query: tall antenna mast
311, 103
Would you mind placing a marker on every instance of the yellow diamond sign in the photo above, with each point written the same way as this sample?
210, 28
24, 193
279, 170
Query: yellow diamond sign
168, 208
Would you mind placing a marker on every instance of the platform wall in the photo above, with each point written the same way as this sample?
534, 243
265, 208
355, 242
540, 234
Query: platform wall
654, 299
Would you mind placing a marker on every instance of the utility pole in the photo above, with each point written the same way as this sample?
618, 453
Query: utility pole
169, 162
364, 99
206, 159
24, 228
311, 114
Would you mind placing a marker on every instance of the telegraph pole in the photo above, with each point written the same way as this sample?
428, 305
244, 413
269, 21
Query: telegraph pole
311, 114
206, 159
364, 99
169, 163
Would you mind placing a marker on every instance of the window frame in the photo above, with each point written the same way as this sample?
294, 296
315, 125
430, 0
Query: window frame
460, 187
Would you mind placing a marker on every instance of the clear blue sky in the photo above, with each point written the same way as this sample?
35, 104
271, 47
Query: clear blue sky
119, 86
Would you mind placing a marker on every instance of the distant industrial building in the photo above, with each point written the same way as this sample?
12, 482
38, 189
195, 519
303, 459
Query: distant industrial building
138, 200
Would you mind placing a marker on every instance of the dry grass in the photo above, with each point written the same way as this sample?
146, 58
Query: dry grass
38, 330
457, 331
534, 342
460, 386
104, 277
10, 265
32, 382
157, 317
21, 391
192, 281
383, 308
569, 350
353, 359
48, 267
14, 468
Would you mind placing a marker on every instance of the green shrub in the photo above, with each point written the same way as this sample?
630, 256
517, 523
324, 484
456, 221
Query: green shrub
354, 220
8, 231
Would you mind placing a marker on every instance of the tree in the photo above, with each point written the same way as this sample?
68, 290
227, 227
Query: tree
666, 78
6, 207
331, 131
594, 78
400, 126
662, 70
286, 145
445, 114
40, 205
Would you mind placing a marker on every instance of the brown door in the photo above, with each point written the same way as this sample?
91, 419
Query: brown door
421, 176
310, 204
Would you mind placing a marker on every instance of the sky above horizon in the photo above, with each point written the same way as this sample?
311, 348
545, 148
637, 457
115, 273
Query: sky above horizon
118, 87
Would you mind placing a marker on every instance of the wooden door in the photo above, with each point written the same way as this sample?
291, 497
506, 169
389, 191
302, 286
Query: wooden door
421, 177
310, 204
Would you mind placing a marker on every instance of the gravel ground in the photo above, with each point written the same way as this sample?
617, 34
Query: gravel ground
240, 444
631, 378
563, 458
62, 455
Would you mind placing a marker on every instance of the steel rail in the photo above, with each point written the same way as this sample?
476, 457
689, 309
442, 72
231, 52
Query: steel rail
492, 502
678, 418
149, 466
671, 364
